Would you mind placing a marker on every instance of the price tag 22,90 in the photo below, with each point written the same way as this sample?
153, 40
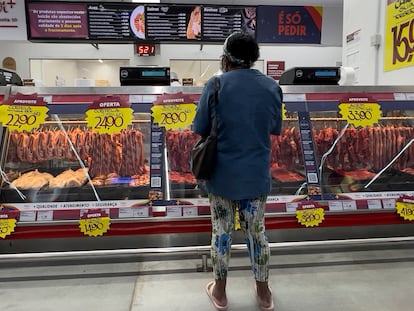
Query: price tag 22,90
23, 112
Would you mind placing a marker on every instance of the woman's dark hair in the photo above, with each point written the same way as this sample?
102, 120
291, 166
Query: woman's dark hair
241, 49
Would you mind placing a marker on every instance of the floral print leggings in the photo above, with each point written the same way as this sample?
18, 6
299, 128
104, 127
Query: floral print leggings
251, 215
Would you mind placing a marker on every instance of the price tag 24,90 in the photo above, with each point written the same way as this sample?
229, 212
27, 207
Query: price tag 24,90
23, 112
109, 114
361, 113
173, 111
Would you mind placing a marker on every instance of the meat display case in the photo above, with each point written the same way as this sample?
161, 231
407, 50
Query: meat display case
356, 174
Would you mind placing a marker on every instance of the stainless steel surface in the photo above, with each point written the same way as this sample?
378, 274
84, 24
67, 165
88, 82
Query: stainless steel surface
288, 89
199, 249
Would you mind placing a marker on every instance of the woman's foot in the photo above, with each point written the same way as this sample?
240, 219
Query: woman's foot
217, 295
264, 296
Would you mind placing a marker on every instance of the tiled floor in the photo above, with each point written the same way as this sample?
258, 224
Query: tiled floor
358, 279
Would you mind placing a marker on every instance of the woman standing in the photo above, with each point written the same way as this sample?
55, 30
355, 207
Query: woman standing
248, 112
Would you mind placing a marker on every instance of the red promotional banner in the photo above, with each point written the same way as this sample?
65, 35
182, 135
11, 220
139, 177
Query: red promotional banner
289, 24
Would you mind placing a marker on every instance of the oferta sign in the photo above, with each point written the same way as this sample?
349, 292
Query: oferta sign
399, 35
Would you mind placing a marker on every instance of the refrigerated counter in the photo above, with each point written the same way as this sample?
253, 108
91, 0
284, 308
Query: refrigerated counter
140, 178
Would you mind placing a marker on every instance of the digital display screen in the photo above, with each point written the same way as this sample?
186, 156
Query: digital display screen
220, 22
325, 73
57, 20
153, 73
109, 21
173, 22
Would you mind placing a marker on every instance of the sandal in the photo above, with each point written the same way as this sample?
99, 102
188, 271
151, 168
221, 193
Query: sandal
261, 304
209, 291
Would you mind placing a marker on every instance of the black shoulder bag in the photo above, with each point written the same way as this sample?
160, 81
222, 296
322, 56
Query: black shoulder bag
204, 153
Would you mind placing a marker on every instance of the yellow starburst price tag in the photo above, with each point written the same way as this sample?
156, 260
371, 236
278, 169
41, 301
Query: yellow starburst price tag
109, 114
23, 112
7, 226
310, 214
360, 114
405, 207
284, 111
174, 117
94, 223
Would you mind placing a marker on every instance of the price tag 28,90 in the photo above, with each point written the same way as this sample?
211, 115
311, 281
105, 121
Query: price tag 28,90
173, 117
173, 111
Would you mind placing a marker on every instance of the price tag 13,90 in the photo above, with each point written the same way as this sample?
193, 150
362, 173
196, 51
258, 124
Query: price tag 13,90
23, 112
109, 114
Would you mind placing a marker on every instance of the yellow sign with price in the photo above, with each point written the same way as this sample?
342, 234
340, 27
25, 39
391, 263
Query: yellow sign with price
109, 115
360, 114
399, 38
173, 117
405, 207
94, 223
174, 111
7, 226
23, 112
310, 214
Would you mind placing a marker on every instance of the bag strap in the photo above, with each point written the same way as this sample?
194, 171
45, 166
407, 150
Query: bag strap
213, 131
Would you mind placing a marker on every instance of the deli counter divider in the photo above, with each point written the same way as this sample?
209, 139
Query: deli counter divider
354, 174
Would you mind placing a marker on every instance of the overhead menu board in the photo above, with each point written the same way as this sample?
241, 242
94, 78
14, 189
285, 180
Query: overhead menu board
220, 22
54, 21
173, 22
57, 20
109, 21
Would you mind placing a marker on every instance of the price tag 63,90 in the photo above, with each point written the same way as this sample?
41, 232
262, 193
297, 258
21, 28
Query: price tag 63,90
23, 112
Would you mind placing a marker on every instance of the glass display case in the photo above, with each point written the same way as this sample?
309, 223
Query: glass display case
59, 170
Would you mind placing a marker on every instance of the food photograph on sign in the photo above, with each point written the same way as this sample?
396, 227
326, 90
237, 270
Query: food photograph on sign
137, 22
219, 22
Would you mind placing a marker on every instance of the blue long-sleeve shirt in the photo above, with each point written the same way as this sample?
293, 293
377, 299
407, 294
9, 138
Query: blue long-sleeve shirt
248, 110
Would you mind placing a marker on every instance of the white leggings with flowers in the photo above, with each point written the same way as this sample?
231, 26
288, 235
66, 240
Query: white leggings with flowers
251, 215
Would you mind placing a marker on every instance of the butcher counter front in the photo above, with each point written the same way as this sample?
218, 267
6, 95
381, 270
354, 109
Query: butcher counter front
355, 165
